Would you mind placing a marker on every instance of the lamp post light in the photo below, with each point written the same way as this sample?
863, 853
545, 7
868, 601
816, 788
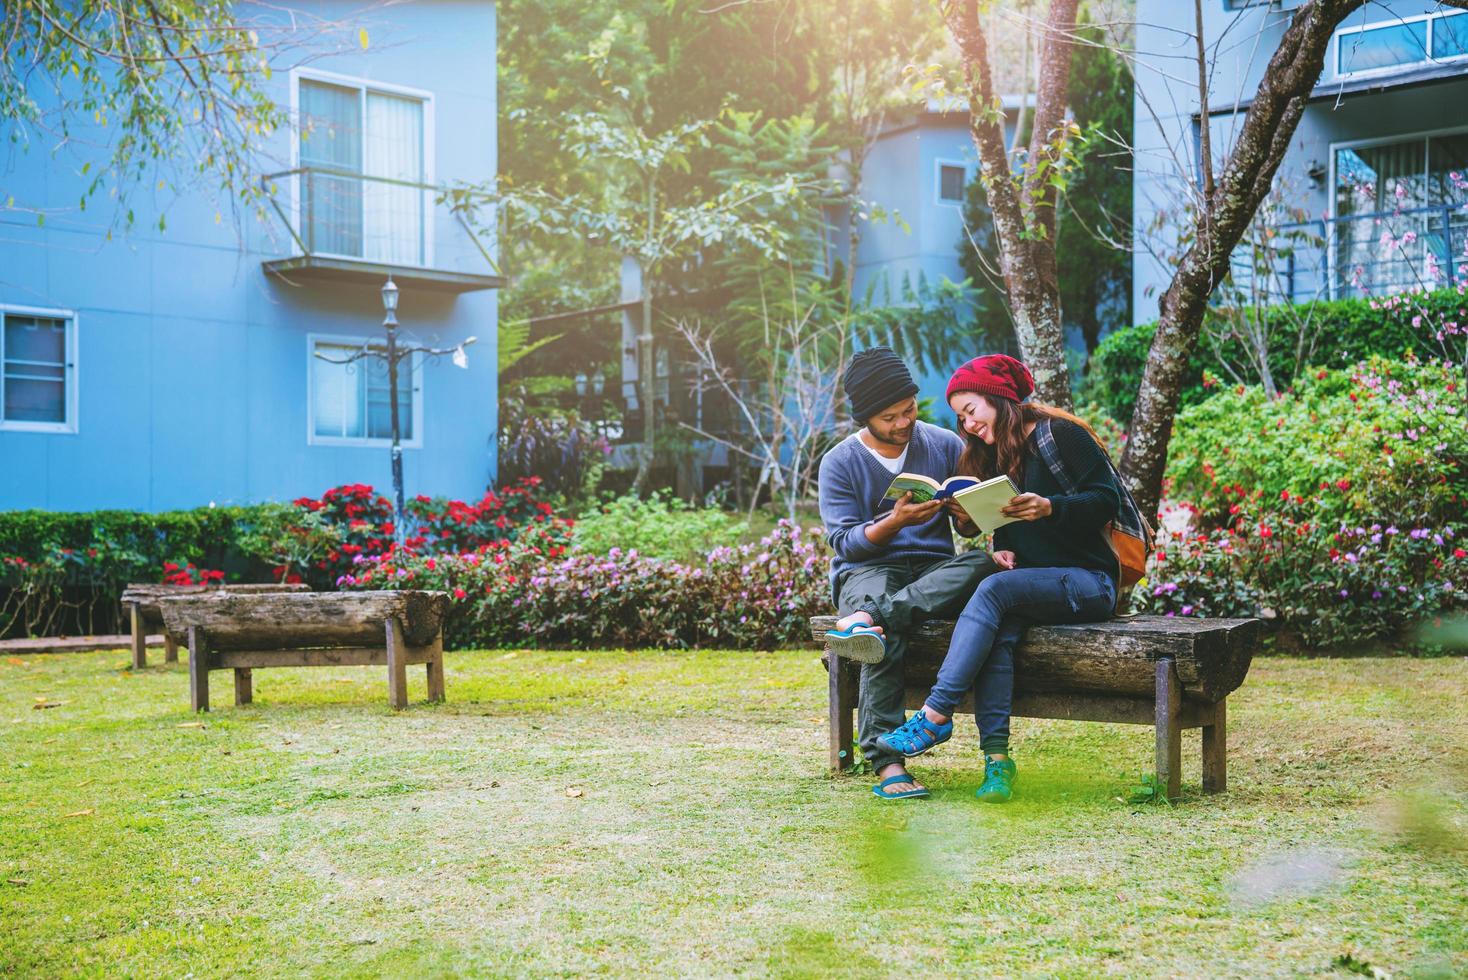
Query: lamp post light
393, 353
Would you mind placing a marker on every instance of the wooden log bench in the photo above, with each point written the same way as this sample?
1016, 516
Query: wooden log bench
140, 605
228, 631
1169, 673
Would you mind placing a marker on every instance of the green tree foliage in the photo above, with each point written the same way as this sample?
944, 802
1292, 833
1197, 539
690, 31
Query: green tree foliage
153, 83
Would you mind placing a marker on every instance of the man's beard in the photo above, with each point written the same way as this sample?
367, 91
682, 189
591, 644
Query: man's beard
906, 437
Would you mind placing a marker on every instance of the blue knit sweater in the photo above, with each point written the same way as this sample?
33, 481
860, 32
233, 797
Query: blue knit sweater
851, 487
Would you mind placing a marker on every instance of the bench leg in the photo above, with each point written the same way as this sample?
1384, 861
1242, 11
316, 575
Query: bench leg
198, 669
841, 705
1169, 732
170, 649
139, 638
435, 670
1215, 750
397, 665
243, 689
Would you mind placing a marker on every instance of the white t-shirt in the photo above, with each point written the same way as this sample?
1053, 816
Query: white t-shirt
893, 466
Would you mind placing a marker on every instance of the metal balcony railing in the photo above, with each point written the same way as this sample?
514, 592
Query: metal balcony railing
1363, 254
354, 226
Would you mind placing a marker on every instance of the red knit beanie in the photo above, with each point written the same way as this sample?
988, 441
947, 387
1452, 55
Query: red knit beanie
993, 374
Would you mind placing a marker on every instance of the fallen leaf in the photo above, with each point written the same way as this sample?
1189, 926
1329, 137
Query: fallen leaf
15, 660
42, 704
81, 813
18, 882
362, 38
575, 791
190, 724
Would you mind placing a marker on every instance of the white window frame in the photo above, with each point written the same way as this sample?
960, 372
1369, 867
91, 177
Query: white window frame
968, 175
363, 86
1331, 188
69, 375
1431, 17
363, 442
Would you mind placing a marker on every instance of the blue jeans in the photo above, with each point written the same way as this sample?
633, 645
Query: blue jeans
982, 648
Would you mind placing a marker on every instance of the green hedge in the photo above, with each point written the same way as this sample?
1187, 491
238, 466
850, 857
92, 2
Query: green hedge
1354, 331
64, 571
205, 535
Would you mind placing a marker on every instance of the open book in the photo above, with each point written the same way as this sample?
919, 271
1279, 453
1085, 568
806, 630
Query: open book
982, 500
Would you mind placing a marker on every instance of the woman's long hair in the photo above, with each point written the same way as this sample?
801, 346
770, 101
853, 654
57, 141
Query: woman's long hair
1009, 452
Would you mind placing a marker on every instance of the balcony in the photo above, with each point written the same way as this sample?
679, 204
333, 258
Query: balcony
1366, 254
351, 227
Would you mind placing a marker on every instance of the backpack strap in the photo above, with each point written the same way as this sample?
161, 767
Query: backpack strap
1129, 517
1050, 453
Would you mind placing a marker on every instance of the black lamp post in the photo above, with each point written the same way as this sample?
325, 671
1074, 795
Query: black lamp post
394, 353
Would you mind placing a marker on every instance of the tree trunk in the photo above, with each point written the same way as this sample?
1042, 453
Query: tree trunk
1024, 220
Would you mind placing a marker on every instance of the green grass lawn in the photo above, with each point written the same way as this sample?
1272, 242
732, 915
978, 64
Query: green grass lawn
572, 813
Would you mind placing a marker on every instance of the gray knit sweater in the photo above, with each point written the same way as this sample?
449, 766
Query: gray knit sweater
851, 487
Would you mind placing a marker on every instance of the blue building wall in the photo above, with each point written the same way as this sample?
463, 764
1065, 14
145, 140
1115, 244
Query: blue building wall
192, 363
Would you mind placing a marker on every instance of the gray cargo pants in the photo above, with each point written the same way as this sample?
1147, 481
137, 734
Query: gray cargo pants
899, 593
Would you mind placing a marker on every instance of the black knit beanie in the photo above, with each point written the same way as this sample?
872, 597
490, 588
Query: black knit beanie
875, 379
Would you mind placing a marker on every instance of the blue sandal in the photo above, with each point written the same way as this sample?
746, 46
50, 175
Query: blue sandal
906, 777
916, 735
861, 643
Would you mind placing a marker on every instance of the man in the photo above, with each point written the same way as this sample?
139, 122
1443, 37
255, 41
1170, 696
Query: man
894, 563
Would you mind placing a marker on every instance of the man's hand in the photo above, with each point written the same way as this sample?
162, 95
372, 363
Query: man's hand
961, 520
905, 513
1004, 559
1027, 507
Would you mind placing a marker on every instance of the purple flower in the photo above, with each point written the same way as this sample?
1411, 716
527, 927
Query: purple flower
1345, 593
1187, 610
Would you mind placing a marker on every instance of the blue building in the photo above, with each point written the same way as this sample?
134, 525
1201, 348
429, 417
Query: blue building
167, 369
1384, 130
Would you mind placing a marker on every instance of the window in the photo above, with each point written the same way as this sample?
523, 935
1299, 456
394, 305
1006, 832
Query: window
38, 370
1402, 43
1402, 189
350, 403
951, 181
359, 149
1450, 36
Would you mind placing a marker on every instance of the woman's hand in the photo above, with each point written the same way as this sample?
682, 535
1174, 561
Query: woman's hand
1004, 559
1027, 507
961, 520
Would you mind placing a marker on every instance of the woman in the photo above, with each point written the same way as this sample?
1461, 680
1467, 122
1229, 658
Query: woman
1065, 570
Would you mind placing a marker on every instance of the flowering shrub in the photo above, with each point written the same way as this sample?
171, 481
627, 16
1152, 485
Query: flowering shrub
361, 520
1323, 585
534, 591
187, 574
1385, 440
1335, 509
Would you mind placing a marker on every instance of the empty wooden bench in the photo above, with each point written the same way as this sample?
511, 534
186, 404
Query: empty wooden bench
227, 631
140, 604
1170, 673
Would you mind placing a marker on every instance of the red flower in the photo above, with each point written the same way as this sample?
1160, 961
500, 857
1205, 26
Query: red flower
459, 593
1460, 553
